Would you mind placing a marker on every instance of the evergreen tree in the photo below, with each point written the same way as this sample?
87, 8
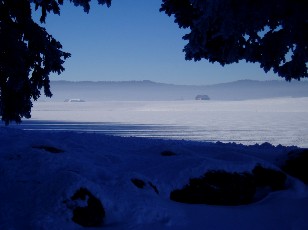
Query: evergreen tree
28, 54
273, 33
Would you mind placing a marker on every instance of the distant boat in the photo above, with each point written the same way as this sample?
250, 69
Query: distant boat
202, 97
74, 100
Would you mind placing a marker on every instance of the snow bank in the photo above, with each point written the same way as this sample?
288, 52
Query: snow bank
36, 184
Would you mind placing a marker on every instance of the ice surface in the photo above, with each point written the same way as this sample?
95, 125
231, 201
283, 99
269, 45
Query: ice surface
277, 121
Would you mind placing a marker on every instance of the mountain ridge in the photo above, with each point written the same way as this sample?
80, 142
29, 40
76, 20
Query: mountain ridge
149, 90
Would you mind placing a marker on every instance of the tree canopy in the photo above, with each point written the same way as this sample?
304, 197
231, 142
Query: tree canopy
273, 33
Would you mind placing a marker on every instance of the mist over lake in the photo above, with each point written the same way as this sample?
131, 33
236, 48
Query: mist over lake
153, 91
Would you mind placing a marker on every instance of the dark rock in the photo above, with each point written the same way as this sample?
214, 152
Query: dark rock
217, 188
167, 153
92, 214
49, 149
141, 184
153, 187
230, 188
138, 183
297, 164
269, 177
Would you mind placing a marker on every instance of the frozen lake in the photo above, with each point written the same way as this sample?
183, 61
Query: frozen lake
277, 121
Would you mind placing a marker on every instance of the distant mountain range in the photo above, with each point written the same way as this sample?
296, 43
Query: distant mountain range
148, 90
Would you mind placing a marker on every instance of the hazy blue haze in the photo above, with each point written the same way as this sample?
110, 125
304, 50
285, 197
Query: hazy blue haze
152, 91
132, 40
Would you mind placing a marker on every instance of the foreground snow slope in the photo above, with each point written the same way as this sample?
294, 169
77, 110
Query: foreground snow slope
35, 184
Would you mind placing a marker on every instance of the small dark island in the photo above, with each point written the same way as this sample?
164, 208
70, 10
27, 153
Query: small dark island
202, 97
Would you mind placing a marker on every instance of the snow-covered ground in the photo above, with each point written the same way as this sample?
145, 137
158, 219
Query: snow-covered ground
37, 183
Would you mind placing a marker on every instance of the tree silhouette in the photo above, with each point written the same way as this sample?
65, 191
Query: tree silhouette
28, 54
273, 33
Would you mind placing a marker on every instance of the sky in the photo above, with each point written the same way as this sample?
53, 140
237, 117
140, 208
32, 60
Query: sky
132, 40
